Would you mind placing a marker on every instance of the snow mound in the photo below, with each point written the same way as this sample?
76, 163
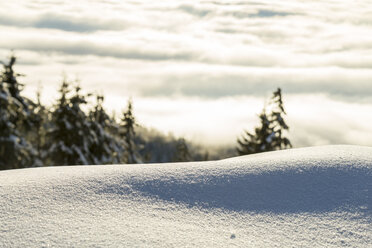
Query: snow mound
320, 196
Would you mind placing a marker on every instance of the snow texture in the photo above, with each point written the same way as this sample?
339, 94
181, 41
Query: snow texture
309, 197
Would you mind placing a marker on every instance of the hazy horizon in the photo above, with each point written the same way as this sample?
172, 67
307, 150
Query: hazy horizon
204, 70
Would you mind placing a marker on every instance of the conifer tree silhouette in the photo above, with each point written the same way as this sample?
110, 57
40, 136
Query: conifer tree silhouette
106, 148
128, 122
70, 136
15, 150
182, 153
270, 135
280, 127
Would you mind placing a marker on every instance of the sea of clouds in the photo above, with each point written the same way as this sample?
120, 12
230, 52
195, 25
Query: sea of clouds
203, 69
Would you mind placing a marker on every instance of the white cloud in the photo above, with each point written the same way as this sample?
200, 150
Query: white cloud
209, 51
313, 119
50, 20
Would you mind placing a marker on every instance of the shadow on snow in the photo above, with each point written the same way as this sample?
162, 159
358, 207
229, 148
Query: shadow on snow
290, 191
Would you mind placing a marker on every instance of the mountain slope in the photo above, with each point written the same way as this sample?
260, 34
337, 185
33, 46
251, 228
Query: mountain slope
320, 196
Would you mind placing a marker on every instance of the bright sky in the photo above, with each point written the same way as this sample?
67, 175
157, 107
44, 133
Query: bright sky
203, 69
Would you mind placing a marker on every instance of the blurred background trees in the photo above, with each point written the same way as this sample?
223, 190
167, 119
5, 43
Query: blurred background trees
16, 122
270, 135
32, 134
128, 134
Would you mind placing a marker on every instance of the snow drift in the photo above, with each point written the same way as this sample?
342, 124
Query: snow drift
307, 197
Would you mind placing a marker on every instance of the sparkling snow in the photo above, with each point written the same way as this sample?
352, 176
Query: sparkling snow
309, 197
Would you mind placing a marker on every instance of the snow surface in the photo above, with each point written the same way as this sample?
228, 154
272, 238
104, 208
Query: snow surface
309, 197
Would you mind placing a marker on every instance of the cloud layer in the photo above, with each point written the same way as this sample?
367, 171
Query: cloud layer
210, 50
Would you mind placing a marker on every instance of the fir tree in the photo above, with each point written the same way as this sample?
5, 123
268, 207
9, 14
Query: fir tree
39, 115
70, 136
260, 140
128, 122
269, 136
15, 150
106, 148
182, 153
278, 123
14, 87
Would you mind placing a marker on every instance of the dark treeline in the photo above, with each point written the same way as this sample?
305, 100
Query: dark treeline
33, 135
